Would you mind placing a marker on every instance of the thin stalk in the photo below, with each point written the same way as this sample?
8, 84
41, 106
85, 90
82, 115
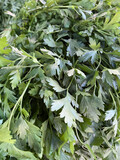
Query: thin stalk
70, 83
16, 105
18, 67
86, 145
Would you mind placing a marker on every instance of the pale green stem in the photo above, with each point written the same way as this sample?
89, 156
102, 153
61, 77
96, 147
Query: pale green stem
16, 105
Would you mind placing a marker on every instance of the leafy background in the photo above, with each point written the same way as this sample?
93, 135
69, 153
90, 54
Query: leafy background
60, 80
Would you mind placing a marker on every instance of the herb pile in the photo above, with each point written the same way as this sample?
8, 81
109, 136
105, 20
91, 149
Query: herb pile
60, 81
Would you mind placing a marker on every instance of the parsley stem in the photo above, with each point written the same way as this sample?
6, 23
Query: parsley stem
70, 83
86, 145
16, 105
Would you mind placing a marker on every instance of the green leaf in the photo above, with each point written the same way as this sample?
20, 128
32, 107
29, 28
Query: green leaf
69, 135
108, 78
91, 151
34, 90
49, 41
34, 72
55, 85
4, 62
115, 124
10, 95
73, 47
13, 151
89, 107
90, 55
93, 44
3, 45
68, 112
34, 137
71, 72
114, 71
53, 69
109, 114
114, 20
22, 128
15, 78
5, 136
93, 79
44, 132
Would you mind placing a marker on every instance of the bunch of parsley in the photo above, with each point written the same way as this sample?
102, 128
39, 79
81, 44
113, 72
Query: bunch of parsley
60, 81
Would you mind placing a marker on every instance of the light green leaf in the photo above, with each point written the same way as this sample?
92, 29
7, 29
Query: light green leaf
69, 135
22, 128
10, 95
13, 151
80, 73
49, 41
53, 69
43, 2
115, 124
109, 114
114, 71
71, 72
34, 72
55, 85
91, 151
34, 90
4, 62
114, 20
5, 136
93, 44
3, 44
43, 131
68, 112
15, 78
83, 14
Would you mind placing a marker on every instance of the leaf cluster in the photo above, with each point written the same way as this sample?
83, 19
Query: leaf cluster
60, 93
